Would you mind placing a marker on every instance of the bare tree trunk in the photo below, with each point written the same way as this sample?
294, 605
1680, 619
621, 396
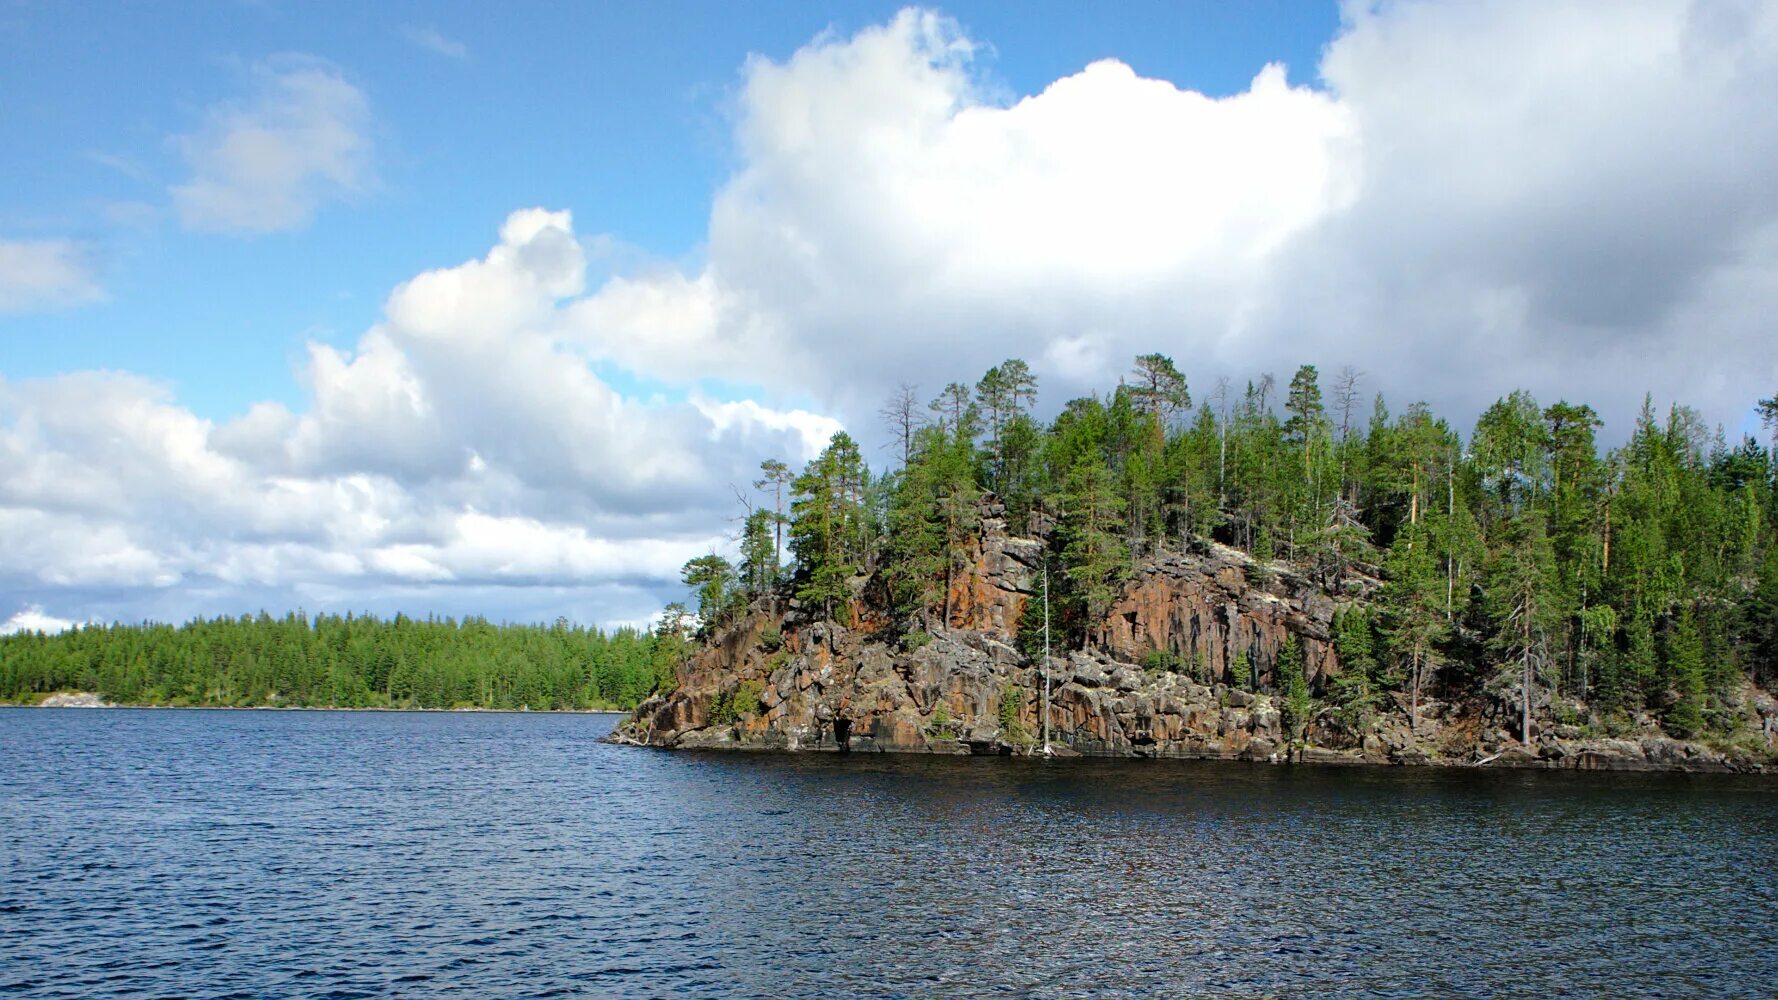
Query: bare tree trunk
1605, 559
1414, 702
1450, 515
948, 569
778, 533
1525, 707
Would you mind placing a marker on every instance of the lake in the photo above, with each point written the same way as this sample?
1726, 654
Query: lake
355, 854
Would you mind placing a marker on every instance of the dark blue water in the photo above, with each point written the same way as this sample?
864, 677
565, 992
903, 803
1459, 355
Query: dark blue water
341, 854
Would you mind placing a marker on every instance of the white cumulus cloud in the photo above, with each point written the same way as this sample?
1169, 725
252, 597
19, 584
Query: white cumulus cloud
464, 456
32, 619
1571, 197
267, 164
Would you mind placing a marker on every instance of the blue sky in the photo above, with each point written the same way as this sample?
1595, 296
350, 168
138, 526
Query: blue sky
492, 309
618, 111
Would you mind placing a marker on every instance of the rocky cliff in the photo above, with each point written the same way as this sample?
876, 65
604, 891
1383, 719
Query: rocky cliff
1190, 639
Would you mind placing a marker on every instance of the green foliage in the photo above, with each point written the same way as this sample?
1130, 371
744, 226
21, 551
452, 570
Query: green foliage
742, 701
1524, 604
940, 726
345, 662
1522, 545
1762, 617
830, 529
1412, 606
1241, 672
1012, 727
1296, 708
771, 638
712, 579
934, 514
747, 698
1354, 691
759, 553
1094, 558
1683, 672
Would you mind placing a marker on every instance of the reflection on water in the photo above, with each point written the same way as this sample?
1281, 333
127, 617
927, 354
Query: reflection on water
255, 853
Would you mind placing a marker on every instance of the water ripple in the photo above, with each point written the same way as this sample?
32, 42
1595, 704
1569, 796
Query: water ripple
233, 854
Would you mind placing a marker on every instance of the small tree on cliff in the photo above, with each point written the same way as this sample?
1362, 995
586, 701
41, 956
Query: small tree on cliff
1292, 677
1414, 613
1012, 726
829, 522
1093, 553
775, 476
759, 561
933, 515
712, 578
959, 510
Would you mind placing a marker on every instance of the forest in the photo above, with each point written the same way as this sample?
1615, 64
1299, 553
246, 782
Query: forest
1601, 585
344, 662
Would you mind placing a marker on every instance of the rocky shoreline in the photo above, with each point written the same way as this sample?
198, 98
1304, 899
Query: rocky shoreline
1116, 710
1180, 671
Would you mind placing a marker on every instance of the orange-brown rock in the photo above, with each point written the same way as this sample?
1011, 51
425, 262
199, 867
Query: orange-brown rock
1216, 617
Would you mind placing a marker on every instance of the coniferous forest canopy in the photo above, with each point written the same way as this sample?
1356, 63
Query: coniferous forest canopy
1641, 578
1520, 557
346, 662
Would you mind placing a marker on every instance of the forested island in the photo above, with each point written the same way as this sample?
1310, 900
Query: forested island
1275, 571
333, 661
1264, 572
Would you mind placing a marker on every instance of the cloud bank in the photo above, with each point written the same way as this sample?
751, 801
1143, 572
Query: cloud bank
1569, 197
464, 456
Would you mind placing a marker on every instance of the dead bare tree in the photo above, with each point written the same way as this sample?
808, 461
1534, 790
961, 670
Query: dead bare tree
903, 415
1346, 396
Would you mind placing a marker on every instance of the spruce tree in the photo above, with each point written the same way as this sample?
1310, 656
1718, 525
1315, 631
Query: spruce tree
1683, 712
1094, 557
1293, 680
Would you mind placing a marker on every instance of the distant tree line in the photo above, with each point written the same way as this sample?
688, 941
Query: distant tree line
1520, 560
348, 662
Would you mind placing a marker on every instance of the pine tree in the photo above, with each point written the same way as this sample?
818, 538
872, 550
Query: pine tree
828, 530
775, 476
759, 556
1413, 609
1159, 391
1523, 607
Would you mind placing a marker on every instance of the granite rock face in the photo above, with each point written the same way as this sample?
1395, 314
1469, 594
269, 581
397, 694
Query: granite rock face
75, 699
779, 679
